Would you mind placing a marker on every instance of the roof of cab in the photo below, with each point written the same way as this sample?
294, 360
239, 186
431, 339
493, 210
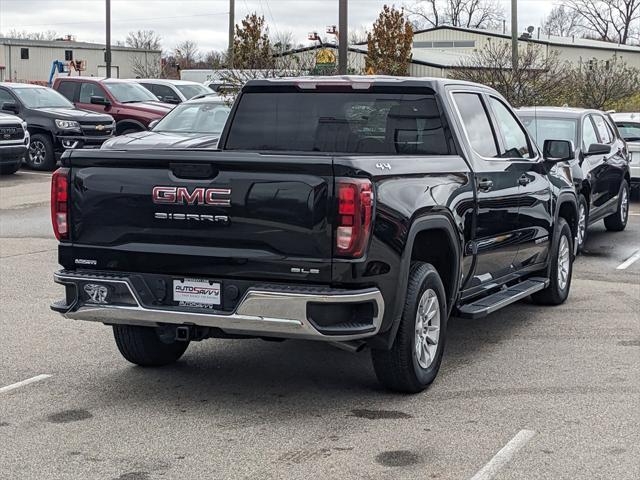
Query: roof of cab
566, 112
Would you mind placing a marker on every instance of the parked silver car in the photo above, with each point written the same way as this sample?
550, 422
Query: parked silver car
629, 126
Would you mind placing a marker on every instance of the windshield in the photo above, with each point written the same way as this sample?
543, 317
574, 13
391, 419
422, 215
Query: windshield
630, 131
390, 123
190, 91
130, 92
551, 128
207, 118
42, 98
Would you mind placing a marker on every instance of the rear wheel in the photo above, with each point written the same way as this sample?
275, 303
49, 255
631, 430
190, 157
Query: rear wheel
618, 221
41, 155
560, 270
414, 360
146, 346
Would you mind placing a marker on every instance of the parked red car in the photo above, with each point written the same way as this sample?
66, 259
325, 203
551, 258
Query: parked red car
131, 105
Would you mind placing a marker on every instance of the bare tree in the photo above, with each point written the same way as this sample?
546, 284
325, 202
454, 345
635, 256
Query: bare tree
282, 42
186, 54
563, 21
358, 36
539, 79
24, 35
601, 83
608, 20
144, 39
457, 13
214, 59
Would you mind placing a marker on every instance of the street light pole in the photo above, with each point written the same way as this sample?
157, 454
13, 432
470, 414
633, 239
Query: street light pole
232, 8
343, 35
514, 35
107, 51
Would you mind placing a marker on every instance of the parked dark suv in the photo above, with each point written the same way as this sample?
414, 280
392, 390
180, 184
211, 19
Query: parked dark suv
600, 169
54, 123
132, 105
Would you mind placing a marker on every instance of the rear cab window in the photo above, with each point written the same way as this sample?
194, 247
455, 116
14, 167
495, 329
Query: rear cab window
382, 121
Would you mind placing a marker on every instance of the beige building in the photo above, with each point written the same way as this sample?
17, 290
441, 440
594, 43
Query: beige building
31, 60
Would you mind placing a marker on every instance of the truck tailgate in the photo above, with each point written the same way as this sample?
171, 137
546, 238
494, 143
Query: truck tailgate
232, 214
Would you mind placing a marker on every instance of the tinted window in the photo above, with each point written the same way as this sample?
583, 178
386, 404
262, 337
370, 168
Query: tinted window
476, 123
516, 143
349, 122
88, 90
589, 136
630, 131
67, 89
162, 91
150, 87
195, 118
601, 125
24, 53
550, 128
68, 55
5, 97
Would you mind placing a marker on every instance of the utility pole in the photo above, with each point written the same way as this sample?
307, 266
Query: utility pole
107, 51
232, 26
514, 35
343, 35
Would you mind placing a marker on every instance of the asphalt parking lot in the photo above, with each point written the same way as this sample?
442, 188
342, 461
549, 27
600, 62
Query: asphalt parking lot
558, 389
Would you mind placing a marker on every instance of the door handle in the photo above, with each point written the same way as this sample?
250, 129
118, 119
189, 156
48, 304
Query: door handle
524, 180
485, 185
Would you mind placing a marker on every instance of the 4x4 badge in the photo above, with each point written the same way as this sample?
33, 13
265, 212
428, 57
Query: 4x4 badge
383, 166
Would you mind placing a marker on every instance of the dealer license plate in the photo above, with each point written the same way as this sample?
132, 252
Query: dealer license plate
196, 292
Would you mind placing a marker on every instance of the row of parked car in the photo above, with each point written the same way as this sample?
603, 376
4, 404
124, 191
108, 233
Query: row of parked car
39, 123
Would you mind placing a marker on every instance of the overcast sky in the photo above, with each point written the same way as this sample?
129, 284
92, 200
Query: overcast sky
205, 21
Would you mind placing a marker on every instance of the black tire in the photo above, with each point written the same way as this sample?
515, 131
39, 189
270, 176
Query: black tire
9, 169
41, 155
399, 368
556, 293
583, 206
143, 346
618, 221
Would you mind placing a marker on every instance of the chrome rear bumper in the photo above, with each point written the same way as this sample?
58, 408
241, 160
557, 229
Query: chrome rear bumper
260, 312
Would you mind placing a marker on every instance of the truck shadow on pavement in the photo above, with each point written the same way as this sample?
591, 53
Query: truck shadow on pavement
277, 378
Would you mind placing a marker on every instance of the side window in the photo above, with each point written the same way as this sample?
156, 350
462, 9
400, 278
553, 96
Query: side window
476, 123
150, 86
24, 54
601, 125
516, 142
589, 136
5, 97
88, 90
68, 89
68, 55
164, 91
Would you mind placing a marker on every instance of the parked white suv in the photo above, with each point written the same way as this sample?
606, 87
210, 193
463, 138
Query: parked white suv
173, 91
629, 126
14, 143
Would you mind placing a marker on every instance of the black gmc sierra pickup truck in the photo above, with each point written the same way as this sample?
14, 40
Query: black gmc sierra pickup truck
362, 211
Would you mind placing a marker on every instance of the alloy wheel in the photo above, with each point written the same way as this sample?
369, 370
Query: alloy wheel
37, 152
624, 205
582, 224
564, 262
427, 328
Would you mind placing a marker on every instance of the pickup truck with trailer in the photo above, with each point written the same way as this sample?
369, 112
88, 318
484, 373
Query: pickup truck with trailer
360, 211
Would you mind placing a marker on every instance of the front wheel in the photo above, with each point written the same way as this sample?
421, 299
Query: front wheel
41, 155
618, 221
583, 222
560, 270
413, 361
146, 346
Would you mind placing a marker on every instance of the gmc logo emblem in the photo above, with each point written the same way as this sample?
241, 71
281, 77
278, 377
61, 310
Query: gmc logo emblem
218, 197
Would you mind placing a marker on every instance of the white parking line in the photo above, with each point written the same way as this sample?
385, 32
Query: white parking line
504, 455
34, 173
13, 386
629, 261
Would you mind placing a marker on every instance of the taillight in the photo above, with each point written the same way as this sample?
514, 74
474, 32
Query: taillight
355, 208
59, 198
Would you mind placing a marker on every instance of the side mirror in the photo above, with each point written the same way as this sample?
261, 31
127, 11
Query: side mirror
96, 100
10, 107
599, 149
153, 123
558, 150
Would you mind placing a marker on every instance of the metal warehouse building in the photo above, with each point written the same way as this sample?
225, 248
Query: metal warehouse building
437, 50
31, 60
